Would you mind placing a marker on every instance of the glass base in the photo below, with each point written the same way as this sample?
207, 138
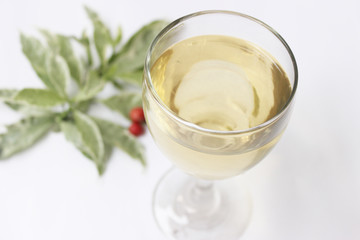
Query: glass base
188, 208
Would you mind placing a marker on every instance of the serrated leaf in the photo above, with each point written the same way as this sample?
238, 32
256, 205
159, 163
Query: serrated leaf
37, 54
132, 55
39, 97
102, 35
120, 137
58, 73
7, 94
134, 78
91, 137
93, 85
123, 102
23, 134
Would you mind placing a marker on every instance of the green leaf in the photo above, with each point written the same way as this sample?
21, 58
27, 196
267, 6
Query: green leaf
66, 51
107, 155
123, 102
28, 110
37, 54
118, 37
73, 135
39, 97
102, 35
93, 85
101, 39
83, 106
31, 102
91, 14
7, 94
120, 137
132, 55
85, 42
51, 68
51, 40
23, 134
58, 73
134, 78
91, 137
61, 45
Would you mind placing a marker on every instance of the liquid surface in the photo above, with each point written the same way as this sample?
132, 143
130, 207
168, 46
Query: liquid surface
220, 82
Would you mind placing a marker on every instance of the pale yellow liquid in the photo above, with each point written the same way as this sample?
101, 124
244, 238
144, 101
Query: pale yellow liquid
219, 83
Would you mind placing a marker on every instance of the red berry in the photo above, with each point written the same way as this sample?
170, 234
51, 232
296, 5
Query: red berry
137, 115
136, 129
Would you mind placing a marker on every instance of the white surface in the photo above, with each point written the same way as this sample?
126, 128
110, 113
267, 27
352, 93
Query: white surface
308, 187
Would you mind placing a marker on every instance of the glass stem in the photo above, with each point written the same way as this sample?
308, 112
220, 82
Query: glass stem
202, 191
201, 204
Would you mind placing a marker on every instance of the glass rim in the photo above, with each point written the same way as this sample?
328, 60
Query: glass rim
164, 107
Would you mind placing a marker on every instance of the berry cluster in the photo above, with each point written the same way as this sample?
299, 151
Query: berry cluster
137, 117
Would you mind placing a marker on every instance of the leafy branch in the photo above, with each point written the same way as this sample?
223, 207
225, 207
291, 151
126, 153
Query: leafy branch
60, 107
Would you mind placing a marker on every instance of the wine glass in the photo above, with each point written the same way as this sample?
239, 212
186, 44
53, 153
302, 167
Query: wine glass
217, 95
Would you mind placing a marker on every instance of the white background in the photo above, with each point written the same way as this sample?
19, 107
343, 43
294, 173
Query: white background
307, 188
